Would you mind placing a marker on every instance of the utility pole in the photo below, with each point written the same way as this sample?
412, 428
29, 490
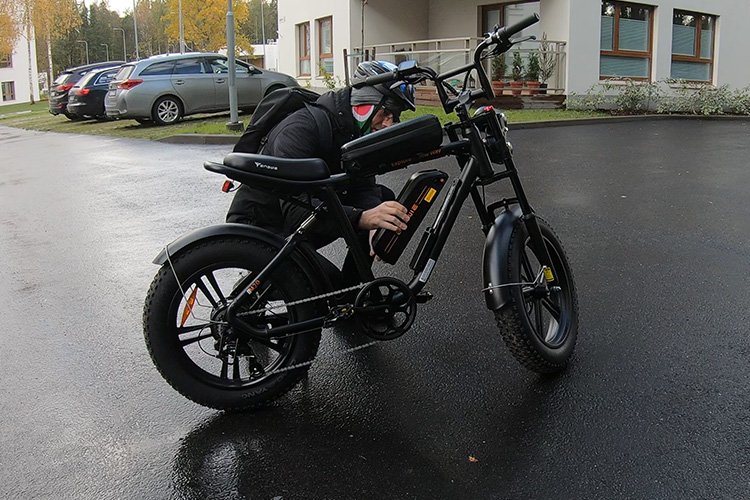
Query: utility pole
181, 26
234, 123
106, 47
124, 49
87, 49
135, 30
263, 32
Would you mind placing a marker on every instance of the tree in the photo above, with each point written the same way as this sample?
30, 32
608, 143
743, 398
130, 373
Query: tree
53, 19
252, 27
205, 22
9, 26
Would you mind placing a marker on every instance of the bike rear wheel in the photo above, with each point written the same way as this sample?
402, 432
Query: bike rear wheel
194, 348
540, 330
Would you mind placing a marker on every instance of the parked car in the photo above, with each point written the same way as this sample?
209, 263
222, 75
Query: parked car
86, 98
167, 87
58, 94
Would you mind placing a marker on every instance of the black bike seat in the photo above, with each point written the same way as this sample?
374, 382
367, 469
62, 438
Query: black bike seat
298, 169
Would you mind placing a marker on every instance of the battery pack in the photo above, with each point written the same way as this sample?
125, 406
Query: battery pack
418, 195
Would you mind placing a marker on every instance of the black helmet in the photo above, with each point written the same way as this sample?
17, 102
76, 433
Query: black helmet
399, 96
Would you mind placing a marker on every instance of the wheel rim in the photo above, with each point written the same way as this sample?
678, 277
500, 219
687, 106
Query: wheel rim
168, 111
549, 316
208, 348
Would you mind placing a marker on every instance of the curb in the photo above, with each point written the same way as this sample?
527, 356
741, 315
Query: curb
229, 139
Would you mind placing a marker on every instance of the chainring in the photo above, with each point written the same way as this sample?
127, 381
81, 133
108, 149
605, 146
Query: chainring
385, 308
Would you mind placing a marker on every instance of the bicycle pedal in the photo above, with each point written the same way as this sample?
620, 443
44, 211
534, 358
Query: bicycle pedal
423, 297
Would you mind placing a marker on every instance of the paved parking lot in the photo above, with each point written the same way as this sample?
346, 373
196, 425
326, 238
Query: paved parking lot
656, 221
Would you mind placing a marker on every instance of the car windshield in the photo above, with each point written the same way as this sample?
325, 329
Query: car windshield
124, 73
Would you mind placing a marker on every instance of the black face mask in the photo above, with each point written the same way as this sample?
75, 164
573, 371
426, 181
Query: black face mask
394, 108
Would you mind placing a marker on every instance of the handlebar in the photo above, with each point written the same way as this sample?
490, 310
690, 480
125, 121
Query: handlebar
376, 79
504, 34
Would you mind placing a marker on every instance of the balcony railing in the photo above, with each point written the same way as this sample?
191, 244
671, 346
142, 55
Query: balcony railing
445, 54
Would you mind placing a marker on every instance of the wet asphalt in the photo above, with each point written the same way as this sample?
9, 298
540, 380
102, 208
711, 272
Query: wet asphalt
655, 218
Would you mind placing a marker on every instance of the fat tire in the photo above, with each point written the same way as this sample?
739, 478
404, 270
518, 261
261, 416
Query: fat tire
513, 321
170, 359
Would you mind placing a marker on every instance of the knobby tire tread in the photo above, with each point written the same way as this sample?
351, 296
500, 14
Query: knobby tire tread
509, 321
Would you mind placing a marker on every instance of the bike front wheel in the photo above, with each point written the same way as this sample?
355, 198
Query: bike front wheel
540, 329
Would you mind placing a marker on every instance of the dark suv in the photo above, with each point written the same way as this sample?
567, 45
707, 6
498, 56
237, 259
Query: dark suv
58, 93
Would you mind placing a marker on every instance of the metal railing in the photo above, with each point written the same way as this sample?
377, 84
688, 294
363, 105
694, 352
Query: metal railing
445, 54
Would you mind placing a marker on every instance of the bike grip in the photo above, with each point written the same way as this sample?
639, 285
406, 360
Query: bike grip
374, 80
521, 25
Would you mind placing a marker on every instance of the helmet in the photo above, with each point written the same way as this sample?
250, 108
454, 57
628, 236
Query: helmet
398, 96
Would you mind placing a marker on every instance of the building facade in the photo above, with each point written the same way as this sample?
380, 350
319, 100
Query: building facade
14, 74
691, 40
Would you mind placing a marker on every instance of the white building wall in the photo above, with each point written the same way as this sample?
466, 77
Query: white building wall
294, 12
19, 73
576, 22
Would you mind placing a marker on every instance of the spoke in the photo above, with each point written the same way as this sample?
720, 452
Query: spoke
215, 285
206, 292
526, 266
193, 340
236, 367
553, 309
275, 346
539, 321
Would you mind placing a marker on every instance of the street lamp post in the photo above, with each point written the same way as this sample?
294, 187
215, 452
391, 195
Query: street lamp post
135, 30
234, 123
106, 47
263, 33
181, 26
87, 49
124, 49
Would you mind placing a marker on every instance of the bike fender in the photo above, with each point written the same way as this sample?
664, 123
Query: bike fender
496, 249
310, 261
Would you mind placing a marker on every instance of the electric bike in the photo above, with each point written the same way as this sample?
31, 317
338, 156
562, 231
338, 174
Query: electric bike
233, 318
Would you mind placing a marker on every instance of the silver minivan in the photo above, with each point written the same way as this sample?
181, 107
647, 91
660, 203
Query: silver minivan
165, 88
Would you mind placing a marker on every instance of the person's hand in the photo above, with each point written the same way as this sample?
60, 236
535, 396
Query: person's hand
389, 215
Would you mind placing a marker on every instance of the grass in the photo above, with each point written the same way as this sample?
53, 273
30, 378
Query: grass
37, 117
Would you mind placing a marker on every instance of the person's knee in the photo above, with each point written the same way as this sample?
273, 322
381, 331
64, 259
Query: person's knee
386, 194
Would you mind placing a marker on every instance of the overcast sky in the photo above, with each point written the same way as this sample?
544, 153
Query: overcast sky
119, 5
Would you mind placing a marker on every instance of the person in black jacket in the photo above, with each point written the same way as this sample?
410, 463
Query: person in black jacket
352, 113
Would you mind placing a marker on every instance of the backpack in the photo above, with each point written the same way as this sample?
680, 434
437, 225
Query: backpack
276, 106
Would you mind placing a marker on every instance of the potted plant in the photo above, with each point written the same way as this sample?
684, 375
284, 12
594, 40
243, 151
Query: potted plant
547, 62
517, 72
532, 73
498, 74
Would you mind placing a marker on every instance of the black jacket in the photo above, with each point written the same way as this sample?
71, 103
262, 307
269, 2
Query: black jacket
296, 136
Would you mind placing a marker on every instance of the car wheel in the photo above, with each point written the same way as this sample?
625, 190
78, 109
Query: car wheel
167, 110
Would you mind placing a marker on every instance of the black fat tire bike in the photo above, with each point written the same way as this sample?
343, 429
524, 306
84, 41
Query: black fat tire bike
233, 318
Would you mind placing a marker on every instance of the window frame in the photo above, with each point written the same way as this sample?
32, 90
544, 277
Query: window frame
303, 42
633, 54
6, 60
11, 94
696, 58
323, 55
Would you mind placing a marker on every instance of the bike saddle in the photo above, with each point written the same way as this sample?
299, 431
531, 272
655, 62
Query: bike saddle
301, 169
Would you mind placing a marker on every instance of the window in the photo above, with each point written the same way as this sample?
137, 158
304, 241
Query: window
6, 61
188, 67
9, 91
220, 65
160, 68
325, 44
626, 40
105, 78
692, 46
303, 49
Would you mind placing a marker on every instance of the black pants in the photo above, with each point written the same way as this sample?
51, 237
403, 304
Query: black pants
261, 209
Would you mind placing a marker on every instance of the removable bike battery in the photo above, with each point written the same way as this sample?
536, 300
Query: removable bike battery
418, 195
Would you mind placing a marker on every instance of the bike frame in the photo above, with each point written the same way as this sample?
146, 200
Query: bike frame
469, 141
